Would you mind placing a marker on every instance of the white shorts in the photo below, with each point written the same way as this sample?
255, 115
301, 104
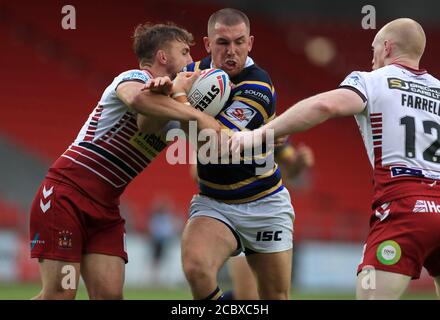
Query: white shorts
261, 226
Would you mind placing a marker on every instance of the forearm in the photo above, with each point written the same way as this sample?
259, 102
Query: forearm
317, 109
301, 116
157, 105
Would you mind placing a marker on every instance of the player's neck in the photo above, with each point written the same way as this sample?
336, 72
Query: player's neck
155, 71
409, 63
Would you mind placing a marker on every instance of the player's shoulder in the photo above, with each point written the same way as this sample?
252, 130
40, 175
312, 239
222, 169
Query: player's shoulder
254, 77
254, 73
133, 75
203, 64
356, 77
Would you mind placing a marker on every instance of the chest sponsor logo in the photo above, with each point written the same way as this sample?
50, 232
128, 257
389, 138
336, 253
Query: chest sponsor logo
414, 87
149, 144
241, 114
256, 94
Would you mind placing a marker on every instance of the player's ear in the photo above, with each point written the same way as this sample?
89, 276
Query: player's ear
207, 44
388, 48
251, 43
161, 56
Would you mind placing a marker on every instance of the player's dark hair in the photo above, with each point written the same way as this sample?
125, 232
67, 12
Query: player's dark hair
148, 38
229, 17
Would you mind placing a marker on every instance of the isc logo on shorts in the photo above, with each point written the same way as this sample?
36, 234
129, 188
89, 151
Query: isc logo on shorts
269, 235
425, 206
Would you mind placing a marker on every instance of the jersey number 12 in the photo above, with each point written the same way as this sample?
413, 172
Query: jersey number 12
430, 154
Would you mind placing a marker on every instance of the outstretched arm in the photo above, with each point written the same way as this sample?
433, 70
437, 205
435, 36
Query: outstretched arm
315, 110
302, 116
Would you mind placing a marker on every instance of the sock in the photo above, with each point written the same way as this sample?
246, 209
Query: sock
217, 294
228, 295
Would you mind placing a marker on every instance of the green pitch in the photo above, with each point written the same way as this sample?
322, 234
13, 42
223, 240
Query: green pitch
16, 291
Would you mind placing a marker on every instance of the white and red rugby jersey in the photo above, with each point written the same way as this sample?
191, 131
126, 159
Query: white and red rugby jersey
109, 151
400, 126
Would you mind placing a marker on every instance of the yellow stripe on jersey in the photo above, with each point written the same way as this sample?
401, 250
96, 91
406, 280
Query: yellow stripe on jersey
257, 196
254, 104
197, 65
257, 157
238, 184
226, 129
260, 83
272, 90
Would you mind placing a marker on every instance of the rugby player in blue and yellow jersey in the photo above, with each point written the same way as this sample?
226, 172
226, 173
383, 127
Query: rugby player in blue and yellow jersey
238, 207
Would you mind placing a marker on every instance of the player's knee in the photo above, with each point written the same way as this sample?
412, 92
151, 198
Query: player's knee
273, 291
105, 293
196, 268
274, 294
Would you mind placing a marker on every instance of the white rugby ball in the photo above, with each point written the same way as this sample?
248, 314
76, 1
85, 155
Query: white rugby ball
210, 91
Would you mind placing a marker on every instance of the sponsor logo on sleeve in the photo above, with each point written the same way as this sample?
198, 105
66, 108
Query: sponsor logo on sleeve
135, 75
352, 80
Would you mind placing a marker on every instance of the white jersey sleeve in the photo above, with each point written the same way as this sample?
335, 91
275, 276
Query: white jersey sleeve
356, 82
110, 109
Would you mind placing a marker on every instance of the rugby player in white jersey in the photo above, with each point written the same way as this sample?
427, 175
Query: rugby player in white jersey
75, 224
397, 107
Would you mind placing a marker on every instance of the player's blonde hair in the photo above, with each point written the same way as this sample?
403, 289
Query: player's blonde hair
148, 38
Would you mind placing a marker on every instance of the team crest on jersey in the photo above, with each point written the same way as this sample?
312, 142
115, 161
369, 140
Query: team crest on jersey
389, 252
65, 239
240, 113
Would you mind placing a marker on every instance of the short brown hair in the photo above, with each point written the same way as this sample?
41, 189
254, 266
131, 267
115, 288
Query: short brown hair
148, 38
229, 17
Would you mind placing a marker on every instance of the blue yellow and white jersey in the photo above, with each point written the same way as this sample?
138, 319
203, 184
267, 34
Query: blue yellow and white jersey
251, 105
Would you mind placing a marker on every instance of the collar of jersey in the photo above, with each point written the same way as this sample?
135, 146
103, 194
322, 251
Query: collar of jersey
416, 71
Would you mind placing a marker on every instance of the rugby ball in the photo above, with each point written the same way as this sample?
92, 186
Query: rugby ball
210, 91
